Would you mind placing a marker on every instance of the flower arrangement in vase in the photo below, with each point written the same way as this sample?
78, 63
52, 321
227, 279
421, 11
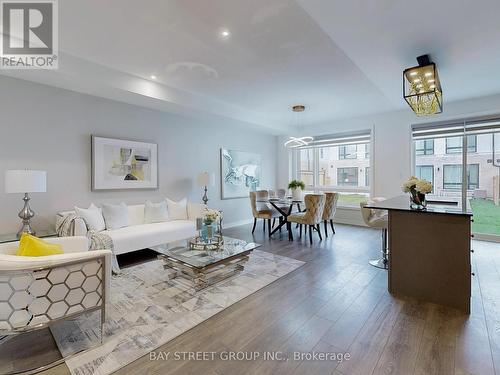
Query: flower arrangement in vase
297, 186
211, 221
417, 189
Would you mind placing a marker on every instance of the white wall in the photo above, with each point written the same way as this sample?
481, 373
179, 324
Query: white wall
49, 129
391, 154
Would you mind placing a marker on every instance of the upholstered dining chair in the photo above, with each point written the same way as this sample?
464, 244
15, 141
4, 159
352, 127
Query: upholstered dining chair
311, 217
281, 193
262, 210
272, 193
377, 219
329, 210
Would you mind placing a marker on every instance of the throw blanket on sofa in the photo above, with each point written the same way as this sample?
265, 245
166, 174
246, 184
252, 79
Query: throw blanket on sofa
98, 241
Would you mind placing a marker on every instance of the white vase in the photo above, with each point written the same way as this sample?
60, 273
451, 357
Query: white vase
297, 194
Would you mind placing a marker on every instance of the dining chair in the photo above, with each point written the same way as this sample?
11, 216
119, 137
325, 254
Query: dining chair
281, 193
311, 217
272, 193
262, 210
329, 210
377, 219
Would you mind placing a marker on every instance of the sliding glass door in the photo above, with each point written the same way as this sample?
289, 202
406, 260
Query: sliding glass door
462, 160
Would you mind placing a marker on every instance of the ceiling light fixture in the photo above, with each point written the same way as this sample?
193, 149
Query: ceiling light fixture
152, 76
424, 98
294, 142
224, 33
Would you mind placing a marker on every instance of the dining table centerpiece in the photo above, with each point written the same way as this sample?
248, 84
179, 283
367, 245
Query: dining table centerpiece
296, 186
417, 188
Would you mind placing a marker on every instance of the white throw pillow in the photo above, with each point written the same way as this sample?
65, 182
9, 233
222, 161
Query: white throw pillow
115, 215
155, 212
92, 216
177, 210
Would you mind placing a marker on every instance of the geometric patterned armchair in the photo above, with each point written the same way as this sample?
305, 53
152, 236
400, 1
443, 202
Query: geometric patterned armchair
38, 291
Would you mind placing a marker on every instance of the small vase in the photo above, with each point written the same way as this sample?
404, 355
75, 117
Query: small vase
297, 194
417, 201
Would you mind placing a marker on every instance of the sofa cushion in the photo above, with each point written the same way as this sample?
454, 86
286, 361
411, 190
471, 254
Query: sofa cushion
144, 236
92, 216
136, 214
155, 212
177, 210
115, 215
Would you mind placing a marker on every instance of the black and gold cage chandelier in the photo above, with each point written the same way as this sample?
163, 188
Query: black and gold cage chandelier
422, 88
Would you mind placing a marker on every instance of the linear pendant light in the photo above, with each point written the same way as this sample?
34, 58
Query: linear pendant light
294, 142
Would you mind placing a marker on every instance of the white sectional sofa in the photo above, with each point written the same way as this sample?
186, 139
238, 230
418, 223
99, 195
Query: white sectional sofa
138, 235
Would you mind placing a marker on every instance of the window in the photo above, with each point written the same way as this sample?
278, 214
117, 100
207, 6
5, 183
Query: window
331, 163
452, 176
454, 144
425, 172
473, 176
347, 176
348, 152
306, 171
424, 147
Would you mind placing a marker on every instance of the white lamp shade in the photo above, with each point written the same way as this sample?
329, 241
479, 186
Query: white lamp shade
25, 181
206, 179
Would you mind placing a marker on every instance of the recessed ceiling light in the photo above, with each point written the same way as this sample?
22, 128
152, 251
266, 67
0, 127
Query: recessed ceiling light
152, 76
224, 33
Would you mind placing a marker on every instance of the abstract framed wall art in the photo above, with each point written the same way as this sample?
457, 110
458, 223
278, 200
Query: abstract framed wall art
240, 173
123, 164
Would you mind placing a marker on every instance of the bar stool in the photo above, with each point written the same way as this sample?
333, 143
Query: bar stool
377, 219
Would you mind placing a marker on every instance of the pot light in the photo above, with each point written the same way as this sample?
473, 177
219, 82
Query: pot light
224, 34
152, 76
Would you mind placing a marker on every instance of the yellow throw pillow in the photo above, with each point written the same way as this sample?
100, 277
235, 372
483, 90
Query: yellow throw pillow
31, 246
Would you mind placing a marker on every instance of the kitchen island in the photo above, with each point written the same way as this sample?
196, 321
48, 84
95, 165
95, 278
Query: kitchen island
429, 252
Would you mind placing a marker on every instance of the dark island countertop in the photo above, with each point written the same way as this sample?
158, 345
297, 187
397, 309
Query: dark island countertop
402, 203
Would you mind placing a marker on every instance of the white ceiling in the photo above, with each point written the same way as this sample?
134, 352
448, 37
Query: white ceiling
340, 58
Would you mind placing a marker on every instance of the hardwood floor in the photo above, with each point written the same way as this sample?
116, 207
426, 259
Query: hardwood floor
338, 303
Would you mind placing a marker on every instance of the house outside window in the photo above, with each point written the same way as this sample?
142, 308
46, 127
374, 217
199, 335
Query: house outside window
348, 152
454, 144
347, 176
424, 147
425, 172
452, 176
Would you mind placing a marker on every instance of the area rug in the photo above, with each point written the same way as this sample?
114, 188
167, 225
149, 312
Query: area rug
148, 310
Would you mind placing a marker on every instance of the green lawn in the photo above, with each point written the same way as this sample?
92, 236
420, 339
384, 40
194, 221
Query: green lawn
486, 216
351, 199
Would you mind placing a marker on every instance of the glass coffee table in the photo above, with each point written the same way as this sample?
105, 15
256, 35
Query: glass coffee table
205, 267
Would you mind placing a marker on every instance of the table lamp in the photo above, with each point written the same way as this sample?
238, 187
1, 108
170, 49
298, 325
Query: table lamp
24, 182
206, 179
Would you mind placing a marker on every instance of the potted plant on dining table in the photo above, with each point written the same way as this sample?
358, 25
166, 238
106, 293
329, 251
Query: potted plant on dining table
296, 186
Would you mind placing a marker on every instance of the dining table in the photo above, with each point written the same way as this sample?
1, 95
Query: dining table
285, 207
